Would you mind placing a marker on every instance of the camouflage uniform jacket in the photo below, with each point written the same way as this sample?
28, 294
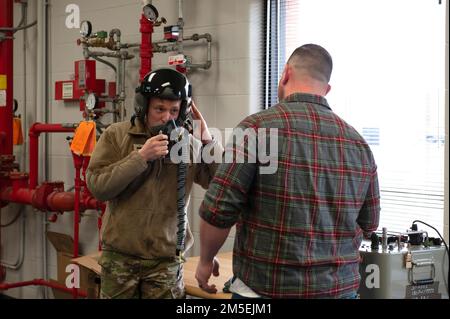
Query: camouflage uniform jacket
143, 224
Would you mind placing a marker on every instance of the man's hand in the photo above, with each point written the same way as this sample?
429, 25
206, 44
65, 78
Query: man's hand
203, 273
196, 115
155, 147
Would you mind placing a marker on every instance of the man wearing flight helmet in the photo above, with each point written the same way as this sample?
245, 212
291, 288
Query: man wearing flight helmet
130, 170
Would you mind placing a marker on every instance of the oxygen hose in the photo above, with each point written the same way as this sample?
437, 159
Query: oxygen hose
181, 192
181, 209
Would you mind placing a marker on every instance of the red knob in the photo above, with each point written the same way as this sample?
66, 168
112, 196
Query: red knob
53, 218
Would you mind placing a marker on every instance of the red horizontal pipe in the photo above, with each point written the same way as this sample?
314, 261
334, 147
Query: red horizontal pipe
38, 128
92, 203
40, 282
35, 130
56, 201
61, 201
21, 195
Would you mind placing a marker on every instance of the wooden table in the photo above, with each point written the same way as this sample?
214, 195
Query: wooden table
225, 273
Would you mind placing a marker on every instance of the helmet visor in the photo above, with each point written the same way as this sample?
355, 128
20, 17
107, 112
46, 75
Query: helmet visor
166, 83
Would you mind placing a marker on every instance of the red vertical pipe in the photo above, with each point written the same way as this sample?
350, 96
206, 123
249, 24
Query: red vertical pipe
146, 47
35, 130
6, 68
6, 109
34, 156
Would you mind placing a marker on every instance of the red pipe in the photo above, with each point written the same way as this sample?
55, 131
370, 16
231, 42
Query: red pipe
6, 69
41, 282
35, 130
55, 201
146, 53
20, 196
43, 197
6, 110
61, 201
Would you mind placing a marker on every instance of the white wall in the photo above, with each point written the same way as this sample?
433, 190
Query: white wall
225, 94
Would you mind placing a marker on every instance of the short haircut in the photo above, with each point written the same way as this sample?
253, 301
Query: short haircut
313, 60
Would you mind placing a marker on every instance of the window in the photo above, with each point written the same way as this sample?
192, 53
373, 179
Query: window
388, 82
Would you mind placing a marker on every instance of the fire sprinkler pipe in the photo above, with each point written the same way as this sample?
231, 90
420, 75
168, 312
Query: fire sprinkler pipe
35, 130
43, 199
6, 77
41, 282
54, 201
6, 73
48, 196
180, 24
163, 46
146, 52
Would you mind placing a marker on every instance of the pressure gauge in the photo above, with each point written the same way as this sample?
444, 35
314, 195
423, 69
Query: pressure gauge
85, 28
91, 101
150, 12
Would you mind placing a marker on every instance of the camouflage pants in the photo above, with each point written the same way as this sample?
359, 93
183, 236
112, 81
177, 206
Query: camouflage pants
125, 277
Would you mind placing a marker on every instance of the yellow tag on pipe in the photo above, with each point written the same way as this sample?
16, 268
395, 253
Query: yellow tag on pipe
3, 82
84, 140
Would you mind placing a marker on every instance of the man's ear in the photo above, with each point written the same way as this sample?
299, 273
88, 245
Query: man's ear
328, 89
286, 75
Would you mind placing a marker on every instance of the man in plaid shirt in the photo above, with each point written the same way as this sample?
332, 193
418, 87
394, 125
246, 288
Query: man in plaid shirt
298, 230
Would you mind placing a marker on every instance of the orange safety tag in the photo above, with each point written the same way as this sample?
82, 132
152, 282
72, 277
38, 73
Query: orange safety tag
83, 142
17, 131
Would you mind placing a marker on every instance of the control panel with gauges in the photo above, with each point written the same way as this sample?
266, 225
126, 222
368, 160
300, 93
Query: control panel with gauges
408, 265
